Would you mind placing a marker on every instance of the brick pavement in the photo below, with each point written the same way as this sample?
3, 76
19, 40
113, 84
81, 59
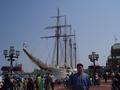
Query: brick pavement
102, 86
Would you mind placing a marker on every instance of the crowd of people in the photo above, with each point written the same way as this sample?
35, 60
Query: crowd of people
27, 83
76, 81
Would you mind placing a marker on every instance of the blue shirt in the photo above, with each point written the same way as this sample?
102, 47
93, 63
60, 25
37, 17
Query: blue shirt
79, 81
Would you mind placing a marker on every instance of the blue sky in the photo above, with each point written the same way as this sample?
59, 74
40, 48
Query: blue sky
96, 23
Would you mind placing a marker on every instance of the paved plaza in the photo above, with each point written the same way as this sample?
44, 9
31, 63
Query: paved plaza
102, 86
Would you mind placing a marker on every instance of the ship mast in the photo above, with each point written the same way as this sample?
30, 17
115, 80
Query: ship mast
65, 41
70, 43
74, 46
57, 35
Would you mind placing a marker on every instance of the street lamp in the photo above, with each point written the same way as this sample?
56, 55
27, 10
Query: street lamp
11, 54
93, 57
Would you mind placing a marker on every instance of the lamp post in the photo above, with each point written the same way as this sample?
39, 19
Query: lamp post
93, 57
11, 54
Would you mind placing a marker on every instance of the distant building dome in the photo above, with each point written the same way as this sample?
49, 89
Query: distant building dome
113, 60
115, 49
115, 46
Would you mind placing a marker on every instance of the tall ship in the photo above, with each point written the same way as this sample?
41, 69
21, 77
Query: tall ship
64, 50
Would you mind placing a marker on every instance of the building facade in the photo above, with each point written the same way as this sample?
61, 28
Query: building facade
113, 60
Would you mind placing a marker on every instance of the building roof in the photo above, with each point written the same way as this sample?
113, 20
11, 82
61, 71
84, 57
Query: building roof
116, 46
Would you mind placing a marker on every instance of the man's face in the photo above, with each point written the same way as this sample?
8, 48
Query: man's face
80, 69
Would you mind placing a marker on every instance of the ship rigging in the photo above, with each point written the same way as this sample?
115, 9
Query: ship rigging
69, 46
59, 33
